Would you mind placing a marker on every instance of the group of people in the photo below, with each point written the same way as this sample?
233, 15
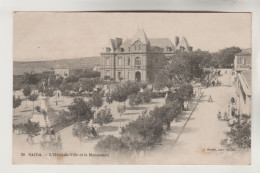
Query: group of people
197, 92
51, 139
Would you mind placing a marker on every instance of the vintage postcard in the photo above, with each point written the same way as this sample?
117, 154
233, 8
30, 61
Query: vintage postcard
135, 88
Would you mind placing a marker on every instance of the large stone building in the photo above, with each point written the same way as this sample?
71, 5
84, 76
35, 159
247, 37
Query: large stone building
139, 58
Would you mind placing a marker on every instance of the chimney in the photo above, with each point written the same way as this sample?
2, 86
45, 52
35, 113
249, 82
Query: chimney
177, 40
118, 42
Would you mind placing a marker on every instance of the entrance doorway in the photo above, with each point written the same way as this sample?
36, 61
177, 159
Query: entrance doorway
119, 76
138, 76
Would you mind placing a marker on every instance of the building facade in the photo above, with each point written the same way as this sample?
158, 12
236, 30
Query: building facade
244, 93
242, 67
242, 61
61, 70
139, 58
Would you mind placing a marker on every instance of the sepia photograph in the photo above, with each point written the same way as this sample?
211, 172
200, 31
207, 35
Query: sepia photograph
132, 88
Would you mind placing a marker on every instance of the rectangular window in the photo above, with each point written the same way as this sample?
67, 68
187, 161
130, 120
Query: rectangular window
119, 61
128, 75
107, 73
119, 75
107, 61
128, 61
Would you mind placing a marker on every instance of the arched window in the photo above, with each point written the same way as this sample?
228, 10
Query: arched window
137, 61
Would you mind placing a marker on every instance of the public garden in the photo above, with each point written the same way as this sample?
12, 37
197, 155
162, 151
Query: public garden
175, 115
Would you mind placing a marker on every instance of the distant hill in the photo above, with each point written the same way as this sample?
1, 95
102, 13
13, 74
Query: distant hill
20, 67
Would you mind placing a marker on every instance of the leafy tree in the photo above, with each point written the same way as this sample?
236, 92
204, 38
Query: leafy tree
163, 115
185, 92
89, 73
183, 68
81, 130
132, 87
147, 96
88, 85
65, 116
32, 129
76, 86
58, 82
81, 110
33, 97
109, 98
144, 132
104, 116
132, 100
162, 81
16, 102
26, 92
122, 91
31, 79
49, 93
205, 77
16, 86
225, 57
71, 79
97, 100
120, 94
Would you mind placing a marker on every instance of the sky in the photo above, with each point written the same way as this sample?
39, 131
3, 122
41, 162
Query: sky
63, 35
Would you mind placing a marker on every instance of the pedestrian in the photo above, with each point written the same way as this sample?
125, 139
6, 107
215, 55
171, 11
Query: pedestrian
219, 115
93, 131
52, 132
210, 99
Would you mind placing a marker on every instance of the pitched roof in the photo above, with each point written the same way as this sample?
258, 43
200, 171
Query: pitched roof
161, 42
245, 52
141, 36
126, 44
184, 43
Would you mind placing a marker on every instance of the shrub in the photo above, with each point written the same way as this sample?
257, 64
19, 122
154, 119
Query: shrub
144, 132
81, 130
185, 92
158, 95
81, 110
65, 117
97, 100
239, 135
111, 143
71, 79
147, 96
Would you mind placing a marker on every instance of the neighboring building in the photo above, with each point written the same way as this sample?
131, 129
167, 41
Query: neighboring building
242, 67
139, 58
65, 71
244, 91
243, 61
96, 67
